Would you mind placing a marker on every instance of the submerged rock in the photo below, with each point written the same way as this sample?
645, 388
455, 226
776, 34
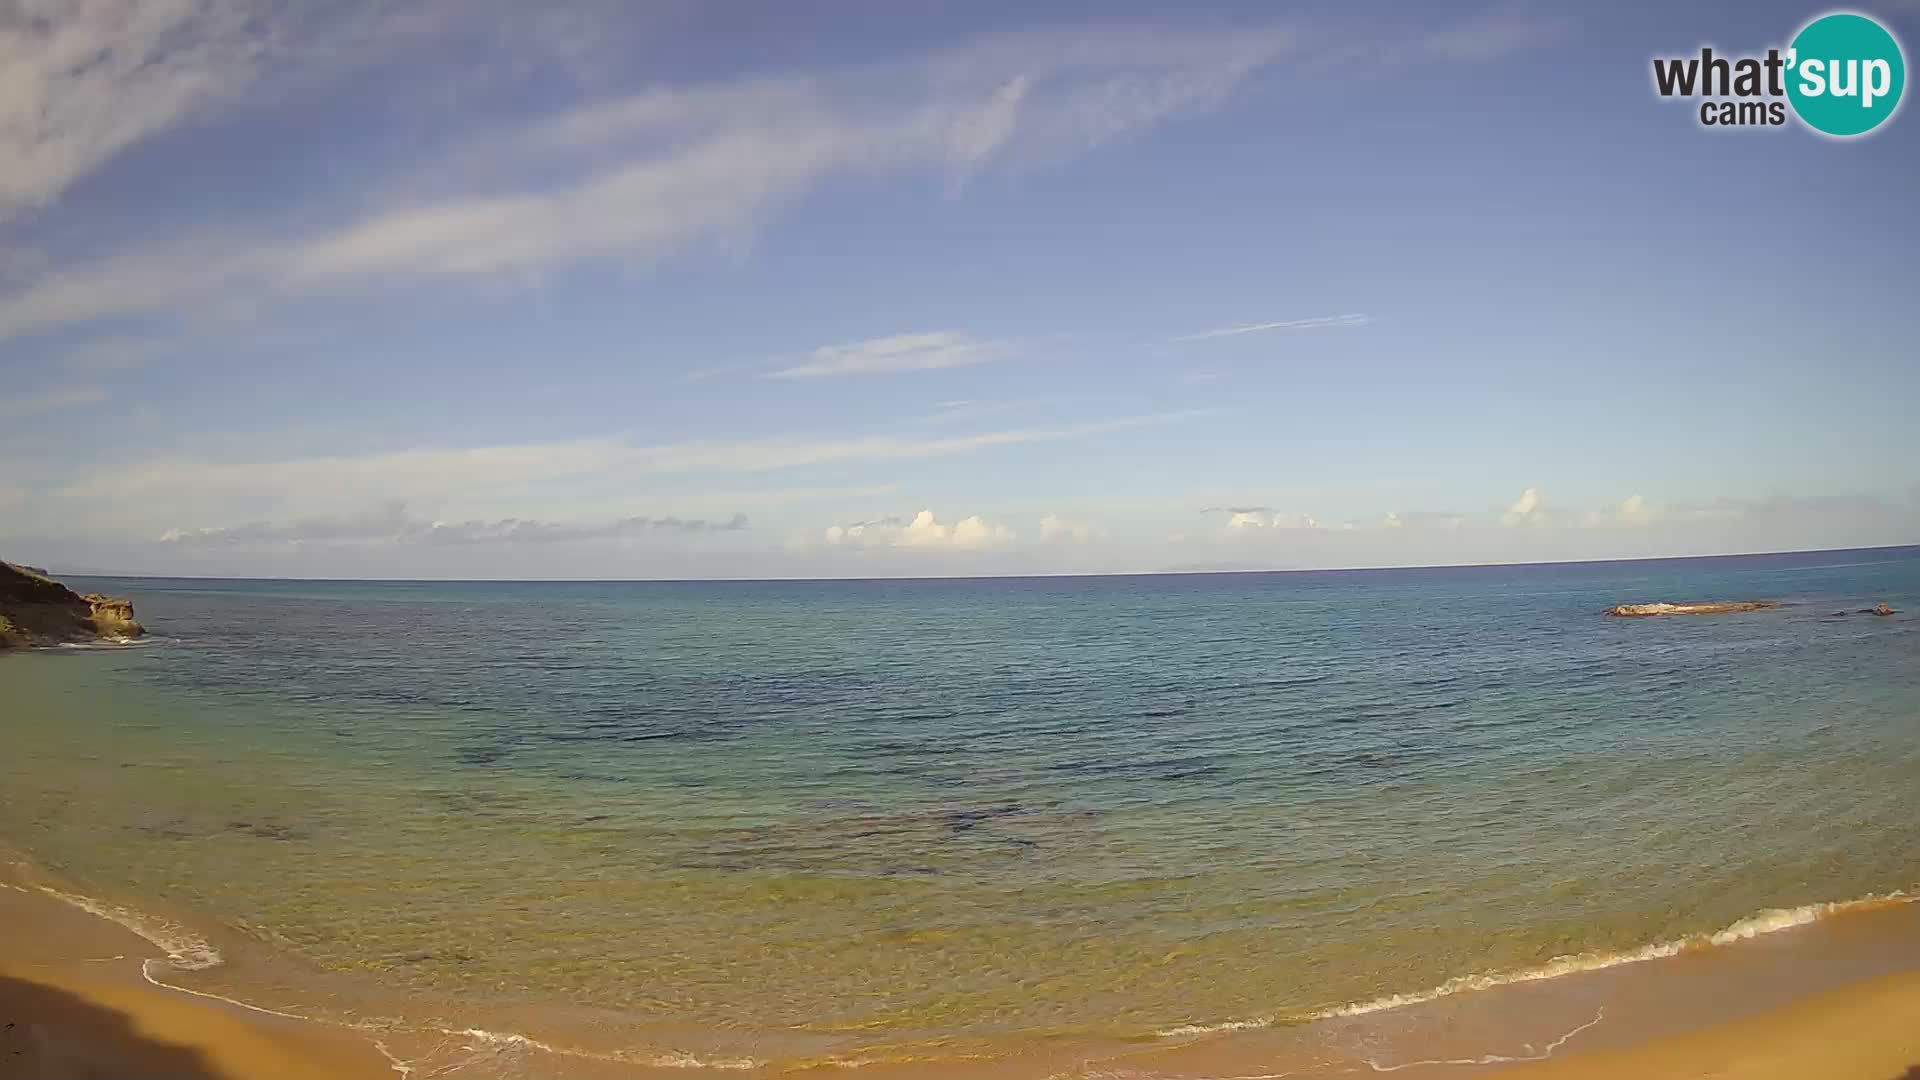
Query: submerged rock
37, 610
1711, 607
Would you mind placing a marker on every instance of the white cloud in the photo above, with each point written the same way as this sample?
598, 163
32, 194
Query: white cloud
1056, 529
1319, 322
1632, 511
1245, 518
1264, 517
16, 406
972, 533
901, 352
1528, 509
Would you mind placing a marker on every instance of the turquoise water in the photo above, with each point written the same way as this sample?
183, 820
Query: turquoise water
817, 819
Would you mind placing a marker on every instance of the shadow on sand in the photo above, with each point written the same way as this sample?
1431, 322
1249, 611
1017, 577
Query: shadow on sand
49, 1034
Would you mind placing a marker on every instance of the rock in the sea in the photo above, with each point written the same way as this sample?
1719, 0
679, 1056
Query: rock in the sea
37, 610
112, 617
1878, 609
1711, 607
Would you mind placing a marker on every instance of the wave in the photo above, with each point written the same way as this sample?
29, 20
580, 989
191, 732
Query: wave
105, 643
1771, 920
186, 951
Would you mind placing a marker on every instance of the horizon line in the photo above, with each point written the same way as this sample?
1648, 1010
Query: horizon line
1000, 577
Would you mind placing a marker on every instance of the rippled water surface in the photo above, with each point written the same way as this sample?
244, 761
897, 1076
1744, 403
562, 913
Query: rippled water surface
860, 812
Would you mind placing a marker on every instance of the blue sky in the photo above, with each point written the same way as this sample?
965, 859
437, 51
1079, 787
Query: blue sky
621, 290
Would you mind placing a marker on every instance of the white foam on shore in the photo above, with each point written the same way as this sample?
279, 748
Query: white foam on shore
105, 642
185, 950
503, 1041
1769, 921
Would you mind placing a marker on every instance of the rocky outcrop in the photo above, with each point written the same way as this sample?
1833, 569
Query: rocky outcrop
37, 610
1712, 607
1881, 609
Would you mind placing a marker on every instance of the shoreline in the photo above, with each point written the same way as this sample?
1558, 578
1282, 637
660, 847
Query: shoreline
75, 1002
1762, 998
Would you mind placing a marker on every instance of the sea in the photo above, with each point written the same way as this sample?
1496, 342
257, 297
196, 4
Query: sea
787, 825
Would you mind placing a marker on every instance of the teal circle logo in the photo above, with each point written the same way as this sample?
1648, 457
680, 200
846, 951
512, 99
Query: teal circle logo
1845, 73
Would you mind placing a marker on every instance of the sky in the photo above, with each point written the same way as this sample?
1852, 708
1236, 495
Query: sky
474, 289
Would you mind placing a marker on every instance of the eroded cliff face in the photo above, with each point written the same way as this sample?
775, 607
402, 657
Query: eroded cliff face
37, 610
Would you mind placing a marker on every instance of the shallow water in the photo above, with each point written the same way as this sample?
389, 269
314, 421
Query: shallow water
818, 819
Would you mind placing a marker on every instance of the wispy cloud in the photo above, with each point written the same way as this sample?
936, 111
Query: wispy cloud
114, 353
888, 355
1776, 506
964, 409
656, 174
18, 406
82, 80
1492, 36
1319, 322
448, 473
666, 169
632, 179
392, 524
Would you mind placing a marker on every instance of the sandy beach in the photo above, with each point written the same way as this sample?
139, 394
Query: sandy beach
74, 1004
1870, 1030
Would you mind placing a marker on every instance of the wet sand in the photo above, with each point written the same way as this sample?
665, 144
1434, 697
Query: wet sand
1838, 999
1870, 1031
